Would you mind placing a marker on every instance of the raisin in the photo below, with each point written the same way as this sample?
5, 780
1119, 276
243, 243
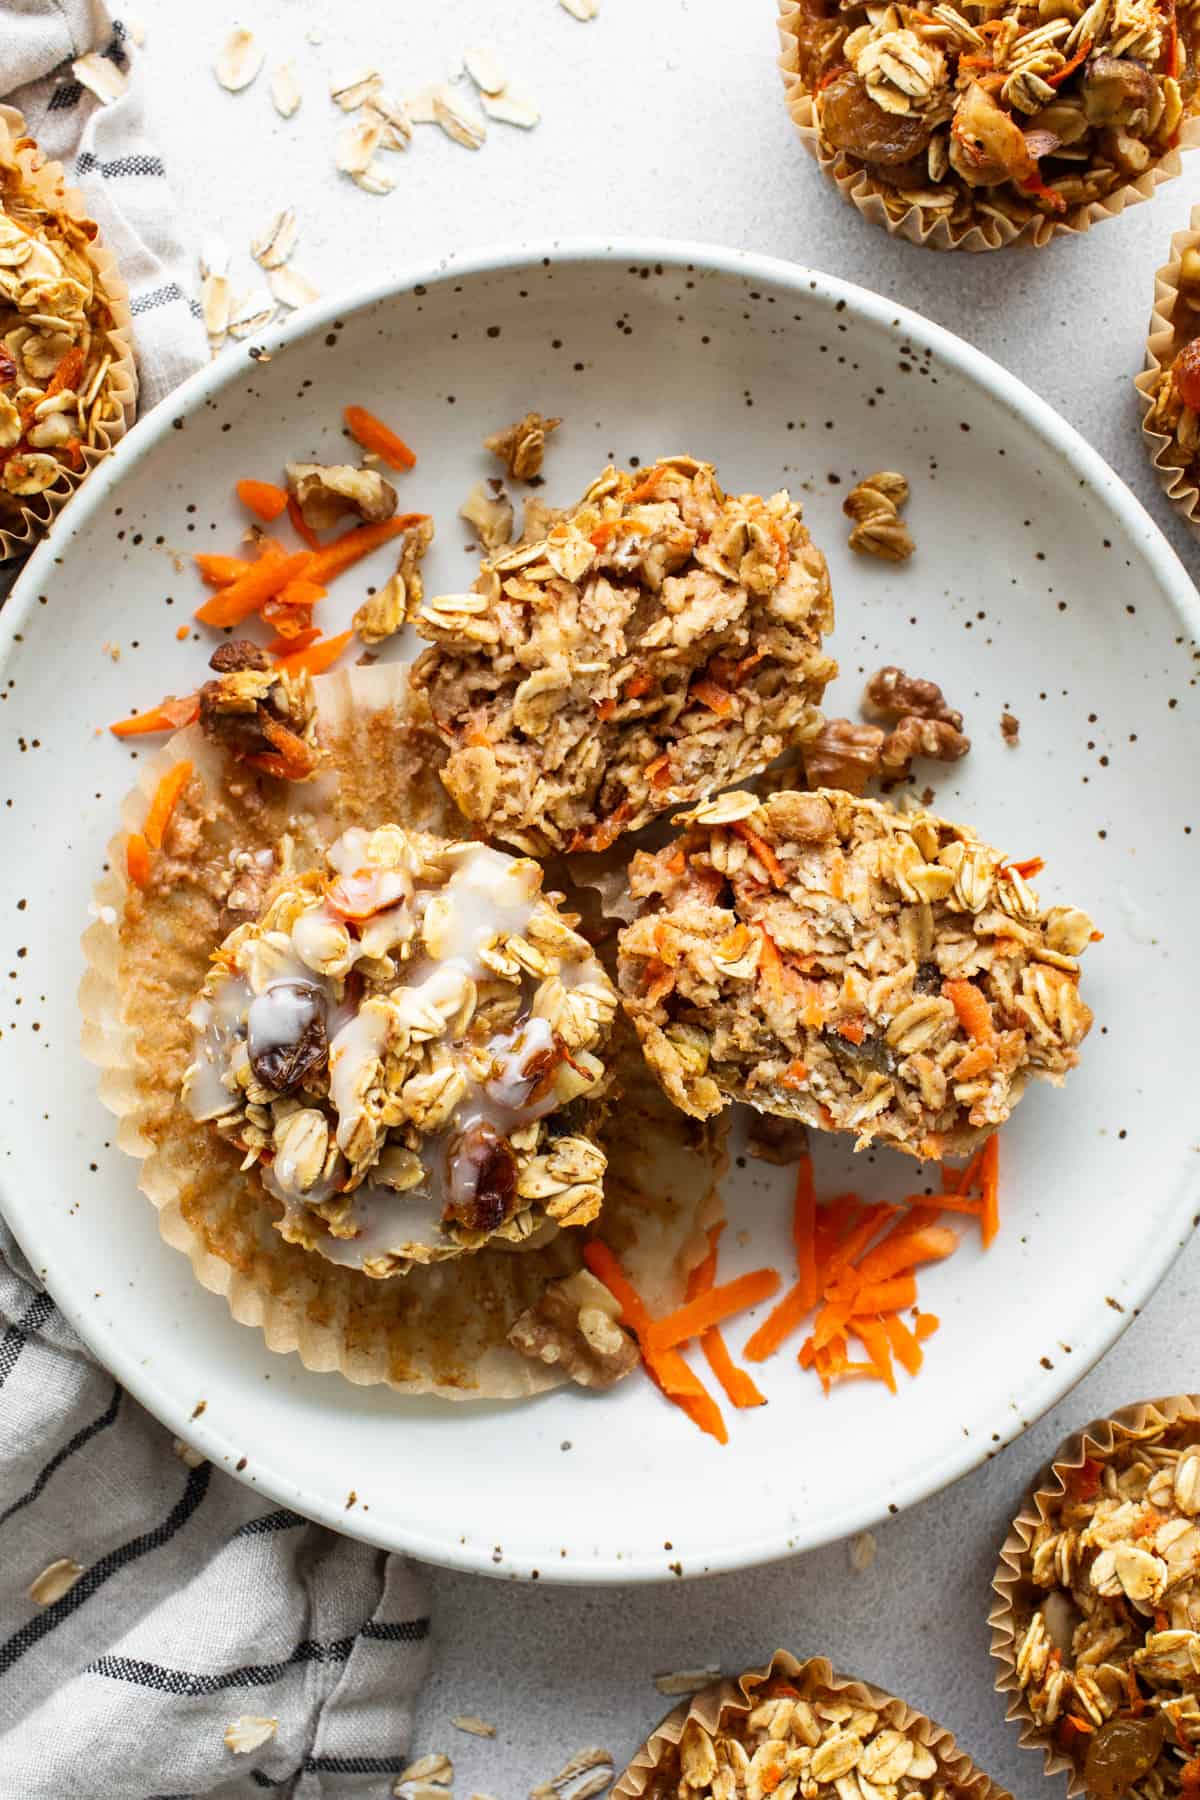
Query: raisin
852, 122
482, 1178
1187, 374
286, 1037
1120, 1753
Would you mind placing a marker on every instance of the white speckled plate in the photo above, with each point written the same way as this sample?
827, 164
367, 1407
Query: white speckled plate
1039, 586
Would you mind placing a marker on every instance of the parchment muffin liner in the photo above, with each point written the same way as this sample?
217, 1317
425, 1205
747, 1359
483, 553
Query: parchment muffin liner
47, 184
815, 1676
439, 1329
929, 226
1177, 484
1097, 1440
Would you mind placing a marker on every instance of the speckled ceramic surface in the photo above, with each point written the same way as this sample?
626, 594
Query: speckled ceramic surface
1039, 586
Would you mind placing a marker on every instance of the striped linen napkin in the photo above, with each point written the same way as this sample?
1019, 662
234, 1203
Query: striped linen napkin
149, 1604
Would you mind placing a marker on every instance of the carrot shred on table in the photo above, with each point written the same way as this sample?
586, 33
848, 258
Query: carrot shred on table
374, 435
300, 525
230, 605
301, 590
875, 1341
332, 559
924, 1326
263, 499
974, 1013
905, 1348
989, 1219
762, 850
318, 657
904, 1248
288, 646
219, 571
666, 1367
694, 1317
162, 805
169, 715
877, 1296
786, 1316
739, 1389
137, 859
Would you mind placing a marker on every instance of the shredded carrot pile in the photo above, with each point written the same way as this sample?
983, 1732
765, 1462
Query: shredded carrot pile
856, 1273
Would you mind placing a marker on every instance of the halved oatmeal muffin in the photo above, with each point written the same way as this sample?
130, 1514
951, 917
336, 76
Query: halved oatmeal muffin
661, 641
409, 1042
831, 959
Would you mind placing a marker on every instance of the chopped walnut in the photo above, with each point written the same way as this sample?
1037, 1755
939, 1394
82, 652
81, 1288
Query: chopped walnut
574, 1326
843, 755
893, 694
1010, 727
261, 715
874, 505
921, 737
395, 603
324, 491
522, 446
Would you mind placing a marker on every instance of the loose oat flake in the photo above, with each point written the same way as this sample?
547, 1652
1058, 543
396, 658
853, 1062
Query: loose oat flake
476, 1727
248, 1733
101, 76
509, 110
393, 117
57, 1579
586, 1773
285, 90
457, 120
686, 1681
250, 312
351, 91
581, 9
272, 247
291, 288
419, 106
374, 179
862, 1551
484, 70
190, 1458
435, 1767
240, 59
357, 144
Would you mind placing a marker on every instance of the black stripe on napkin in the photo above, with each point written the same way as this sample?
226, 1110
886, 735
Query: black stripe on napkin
94, 1578
17, 1336
83, 1436
402, 1631
283, 1520
185, 1681
164, 296
87, 161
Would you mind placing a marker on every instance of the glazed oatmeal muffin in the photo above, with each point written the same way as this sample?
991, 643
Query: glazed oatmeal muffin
662, 640
67, 383
408, 1043
861, 969
988, 120
802, 1732
1099, 1622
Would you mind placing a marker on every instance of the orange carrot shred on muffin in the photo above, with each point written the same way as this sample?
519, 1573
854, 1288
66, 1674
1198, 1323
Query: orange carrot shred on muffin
374, 435
137, 859
166, 794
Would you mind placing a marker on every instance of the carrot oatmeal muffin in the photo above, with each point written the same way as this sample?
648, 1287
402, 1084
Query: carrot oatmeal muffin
408, 1042
992, 110
1171, 385
1105, 1629
866, 970
662, 640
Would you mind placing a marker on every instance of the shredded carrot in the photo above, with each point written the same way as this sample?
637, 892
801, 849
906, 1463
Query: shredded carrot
700, 1408
318, 657
637, 685
851, 1246
357, 543
738, 1387
374, 435
694, 1317
874, 1339
905, 1247
880, 1296
762, 850
989, 1222
605, 710
1032, 865
137, 859
717, 699
288, 646
907, 1350
958, 1203
230, 605
66, 375
924, 1326
169, 715
770, 963
300, 526
219, 571
786, 1316
301, 591
606, 1268
795, 1075
288, 621
1069, 68
974, 1013
181, 632
666, 1367
163, 804
658, 772
607, 530
263, 499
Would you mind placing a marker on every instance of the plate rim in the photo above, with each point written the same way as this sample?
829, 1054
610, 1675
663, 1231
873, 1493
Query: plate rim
1016, 398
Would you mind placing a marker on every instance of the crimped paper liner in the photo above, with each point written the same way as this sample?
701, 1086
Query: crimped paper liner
1097, 1440
47, 182
927, 225
441, 1329
1177, 484
813, 1676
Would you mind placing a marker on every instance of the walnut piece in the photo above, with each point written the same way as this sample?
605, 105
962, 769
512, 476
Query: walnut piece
574, 1327
843, 755
892, 694
522, 446
934, 738
324, 491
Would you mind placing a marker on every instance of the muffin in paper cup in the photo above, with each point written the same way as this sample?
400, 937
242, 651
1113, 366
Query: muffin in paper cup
906, 68
68, 382
1170, 427
444, 1327
1096, 1621
798, 1727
